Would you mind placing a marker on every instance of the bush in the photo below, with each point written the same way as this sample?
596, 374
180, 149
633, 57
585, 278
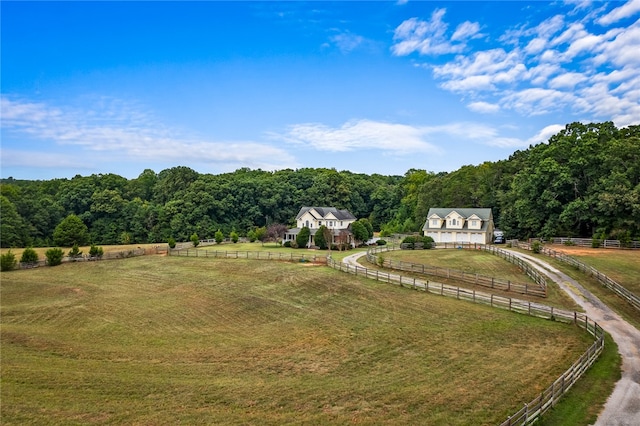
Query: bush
595, 242
219, 236
428, 242
381, 242
380, 261
287, 243
569, 242
536, 246
54, 256
95, 251
172, 242
8, 261
302, 239
195, 239
29, 255
234, 237
251, 235
75, 252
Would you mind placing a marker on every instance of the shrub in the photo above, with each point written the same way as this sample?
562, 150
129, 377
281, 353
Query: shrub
569, 242
195, 239
595, 242
75, 252
381, 242
219, 236
95, 251
380, 261
536, 246
234, 236
172, 242
29, 255
302, 239
54, 256
251, 235
428, 242
8, 261
287, 243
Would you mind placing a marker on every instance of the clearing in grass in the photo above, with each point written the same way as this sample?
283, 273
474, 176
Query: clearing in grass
189, 340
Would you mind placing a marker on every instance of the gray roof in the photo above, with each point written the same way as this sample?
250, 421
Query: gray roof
485, 214
324, 211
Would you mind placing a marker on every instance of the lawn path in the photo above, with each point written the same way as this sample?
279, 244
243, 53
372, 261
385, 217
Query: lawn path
623, 406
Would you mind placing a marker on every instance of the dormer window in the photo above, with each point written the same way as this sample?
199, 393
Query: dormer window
453, 222
474, 223
434, 222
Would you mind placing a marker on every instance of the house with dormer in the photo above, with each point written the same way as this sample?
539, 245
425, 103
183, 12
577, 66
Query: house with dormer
459, 225
337, 221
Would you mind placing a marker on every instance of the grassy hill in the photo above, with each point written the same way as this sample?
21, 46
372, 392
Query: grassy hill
164, 340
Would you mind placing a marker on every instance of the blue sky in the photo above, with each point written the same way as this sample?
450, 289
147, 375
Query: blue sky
371, 87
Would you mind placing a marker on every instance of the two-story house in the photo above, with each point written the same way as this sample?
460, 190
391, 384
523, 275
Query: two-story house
460, 225
338, 221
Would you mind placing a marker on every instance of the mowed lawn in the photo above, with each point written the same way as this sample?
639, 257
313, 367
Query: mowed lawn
167, 340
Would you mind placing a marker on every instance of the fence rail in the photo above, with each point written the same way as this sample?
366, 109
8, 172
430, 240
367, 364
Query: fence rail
258, 255
539, 289
550, 396
595, 243
606, 281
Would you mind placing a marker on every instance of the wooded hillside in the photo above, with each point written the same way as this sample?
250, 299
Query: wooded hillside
584, 182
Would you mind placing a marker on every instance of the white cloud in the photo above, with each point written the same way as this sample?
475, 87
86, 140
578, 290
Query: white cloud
465, 31
537, 101
348, 42
567, 80
111, 129
428, 37
628, 9
563, 63
483, 107
360, 134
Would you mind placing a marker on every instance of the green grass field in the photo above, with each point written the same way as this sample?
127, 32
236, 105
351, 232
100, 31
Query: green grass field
166, 340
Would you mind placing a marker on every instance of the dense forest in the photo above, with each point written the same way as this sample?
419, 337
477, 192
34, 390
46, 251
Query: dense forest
585, 181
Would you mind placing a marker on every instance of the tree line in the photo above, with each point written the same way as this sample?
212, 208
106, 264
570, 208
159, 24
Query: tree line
585, 181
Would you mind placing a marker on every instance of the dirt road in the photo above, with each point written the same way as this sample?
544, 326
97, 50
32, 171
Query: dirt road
623, 406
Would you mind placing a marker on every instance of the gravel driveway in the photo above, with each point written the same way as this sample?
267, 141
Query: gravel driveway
623, 406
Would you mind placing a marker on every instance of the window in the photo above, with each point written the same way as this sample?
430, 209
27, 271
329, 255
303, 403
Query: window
454, 222
307, 224
341, 224
319, 223
434, 222
474, 223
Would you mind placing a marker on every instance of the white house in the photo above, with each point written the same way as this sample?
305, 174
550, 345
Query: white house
338, 221
460, 225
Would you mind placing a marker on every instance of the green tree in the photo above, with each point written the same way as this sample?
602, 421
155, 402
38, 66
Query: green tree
234, 236
75, 252
95, 251
219, 236
71, 231
29, 255
8, 261
195, 240
360, 232
54, 256
261, 234
171, 242
320, 238
302, 239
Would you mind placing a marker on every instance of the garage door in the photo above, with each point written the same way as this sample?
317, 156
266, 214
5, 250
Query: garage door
477, 238
447, 237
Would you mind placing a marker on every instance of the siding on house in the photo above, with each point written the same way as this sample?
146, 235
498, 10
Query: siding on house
463, 225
